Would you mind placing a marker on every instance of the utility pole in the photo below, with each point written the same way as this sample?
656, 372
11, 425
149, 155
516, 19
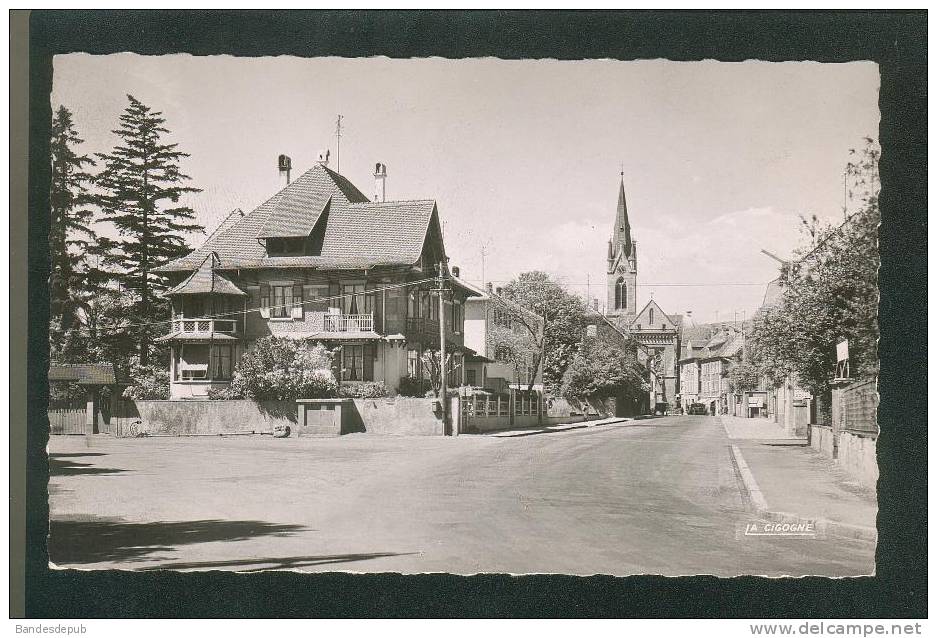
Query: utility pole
845, 173
484, 251
443, 399
338, 145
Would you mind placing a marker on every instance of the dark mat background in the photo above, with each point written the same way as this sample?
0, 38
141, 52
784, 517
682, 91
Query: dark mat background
896, 40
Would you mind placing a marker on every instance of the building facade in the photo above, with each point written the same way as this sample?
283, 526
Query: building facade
490, 365
319, 262
709, 353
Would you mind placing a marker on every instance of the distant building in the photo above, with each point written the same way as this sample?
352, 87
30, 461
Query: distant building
488, 366
708, 354
656, 330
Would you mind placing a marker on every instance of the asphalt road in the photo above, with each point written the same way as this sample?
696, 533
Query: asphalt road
658, 496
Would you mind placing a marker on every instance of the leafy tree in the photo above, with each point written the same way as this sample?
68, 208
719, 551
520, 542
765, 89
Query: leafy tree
70, 232
149, 381
141, 186
431, 363
551, 318
277, 368
829, 292
600, 370
515, 347
744, 376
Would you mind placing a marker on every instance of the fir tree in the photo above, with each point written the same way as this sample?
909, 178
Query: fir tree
70, 233
141, 186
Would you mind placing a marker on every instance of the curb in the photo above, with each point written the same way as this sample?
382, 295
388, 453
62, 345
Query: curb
756, 499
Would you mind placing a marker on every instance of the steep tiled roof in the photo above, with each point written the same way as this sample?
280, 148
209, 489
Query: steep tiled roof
83, 373
205, 280
358, 233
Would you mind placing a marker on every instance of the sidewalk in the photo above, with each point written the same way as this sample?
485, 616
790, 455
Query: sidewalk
737, 427
785, 478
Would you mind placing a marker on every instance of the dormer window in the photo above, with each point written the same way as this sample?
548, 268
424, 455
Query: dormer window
285, 246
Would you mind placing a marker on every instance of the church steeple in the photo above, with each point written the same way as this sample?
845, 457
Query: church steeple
621, 235
622, 261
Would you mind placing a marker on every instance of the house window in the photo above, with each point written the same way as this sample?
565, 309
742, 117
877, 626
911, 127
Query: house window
285, 245
470, 378
353, 363
355, 301
221, 360
282, 301
651, 316
192, 362
414, 304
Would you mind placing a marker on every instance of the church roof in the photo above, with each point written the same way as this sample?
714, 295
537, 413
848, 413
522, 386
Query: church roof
621, 234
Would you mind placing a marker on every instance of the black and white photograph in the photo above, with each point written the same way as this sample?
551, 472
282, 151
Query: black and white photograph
463, 316
420, 315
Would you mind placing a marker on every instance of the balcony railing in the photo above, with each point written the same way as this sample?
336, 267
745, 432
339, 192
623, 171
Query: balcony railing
333, 322
186, 325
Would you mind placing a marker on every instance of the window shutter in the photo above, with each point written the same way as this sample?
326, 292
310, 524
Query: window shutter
369, 354
298, 305
265, 300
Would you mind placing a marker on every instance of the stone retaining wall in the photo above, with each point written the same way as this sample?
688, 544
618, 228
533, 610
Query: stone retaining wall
204, 416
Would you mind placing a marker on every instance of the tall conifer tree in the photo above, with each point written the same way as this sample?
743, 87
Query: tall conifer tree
141, 185
70, 232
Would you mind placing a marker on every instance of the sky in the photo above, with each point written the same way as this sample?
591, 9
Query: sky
524, 157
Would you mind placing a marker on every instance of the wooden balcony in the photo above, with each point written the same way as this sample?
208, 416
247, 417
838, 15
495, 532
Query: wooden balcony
333, 322
190, 325
418, 327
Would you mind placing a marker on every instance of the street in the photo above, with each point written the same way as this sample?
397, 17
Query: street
658, 496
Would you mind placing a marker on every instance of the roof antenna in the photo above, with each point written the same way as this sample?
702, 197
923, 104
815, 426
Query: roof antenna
338, 145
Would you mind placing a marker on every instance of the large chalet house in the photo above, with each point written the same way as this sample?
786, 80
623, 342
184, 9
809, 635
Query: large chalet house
318, 261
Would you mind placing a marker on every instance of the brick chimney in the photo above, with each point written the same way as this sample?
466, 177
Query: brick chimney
455, 272
488, 288
285, 165
380, 182
324, 158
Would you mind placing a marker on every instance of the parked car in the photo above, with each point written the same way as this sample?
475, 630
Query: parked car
697, 408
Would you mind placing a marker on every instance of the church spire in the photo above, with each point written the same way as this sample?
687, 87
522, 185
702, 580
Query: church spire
622, 232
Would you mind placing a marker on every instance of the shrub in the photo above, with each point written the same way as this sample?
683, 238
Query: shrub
149, 382
282, 369
225, 393
411, 386
368, 390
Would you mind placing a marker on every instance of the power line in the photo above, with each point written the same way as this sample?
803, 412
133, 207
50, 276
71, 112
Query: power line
236, 313
640, 285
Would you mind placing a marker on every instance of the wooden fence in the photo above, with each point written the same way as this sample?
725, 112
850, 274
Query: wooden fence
859, 408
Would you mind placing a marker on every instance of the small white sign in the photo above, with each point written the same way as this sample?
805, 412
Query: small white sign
756, 401
842, 350
802, 395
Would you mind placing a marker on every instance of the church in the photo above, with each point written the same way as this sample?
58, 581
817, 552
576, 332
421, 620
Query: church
658, 331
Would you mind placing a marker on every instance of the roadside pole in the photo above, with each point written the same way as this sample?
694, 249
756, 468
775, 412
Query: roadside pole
443, 399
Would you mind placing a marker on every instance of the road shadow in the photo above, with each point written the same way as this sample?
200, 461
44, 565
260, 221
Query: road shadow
282, 562
58, 466
89, 539
63, 455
